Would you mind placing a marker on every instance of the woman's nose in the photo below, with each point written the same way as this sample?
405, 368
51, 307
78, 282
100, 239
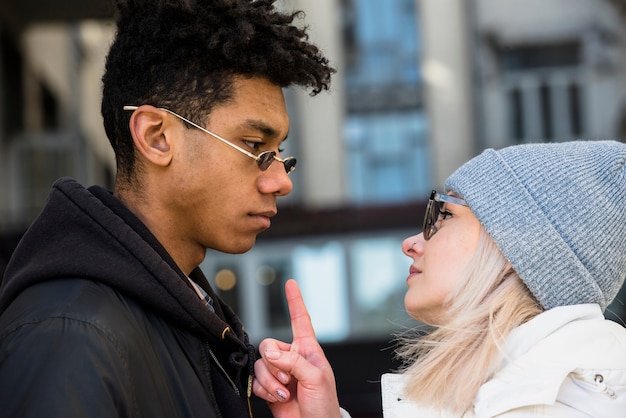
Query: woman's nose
412, 245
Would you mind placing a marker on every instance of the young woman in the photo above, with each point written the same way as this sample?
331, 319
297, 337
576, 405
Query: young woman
513, 269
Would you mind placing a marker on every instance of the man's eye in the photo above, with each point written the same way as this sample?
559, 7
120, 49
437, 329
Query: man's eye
254, 145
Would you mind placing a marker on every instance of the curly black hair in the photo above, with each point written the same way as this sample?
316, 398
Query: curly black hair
185, 55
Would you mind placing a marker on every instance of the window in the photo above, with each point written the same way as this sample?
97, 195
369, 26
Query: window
387, 156
543, 85
321, 274
11, 81
385, 127
378, 269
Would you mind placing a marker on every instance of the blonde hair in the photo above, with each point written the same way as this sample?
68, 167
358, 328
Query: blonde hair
447, 366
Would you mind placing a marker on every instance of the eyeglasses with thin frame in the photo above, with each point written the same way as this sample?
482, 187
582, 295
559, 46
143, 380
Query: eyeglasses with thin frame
434, 212
264, 160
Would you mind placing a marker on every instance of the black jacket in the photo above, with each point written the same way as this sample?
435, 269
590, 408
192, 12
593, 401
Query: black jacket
96, 320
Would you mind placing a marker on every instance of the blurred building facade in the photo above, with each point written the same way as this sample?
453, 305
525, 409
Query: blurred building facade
422, 86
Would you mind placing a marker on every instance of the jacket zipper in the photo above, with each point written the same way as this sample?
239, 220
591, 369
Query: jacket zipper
219, 365
250, 380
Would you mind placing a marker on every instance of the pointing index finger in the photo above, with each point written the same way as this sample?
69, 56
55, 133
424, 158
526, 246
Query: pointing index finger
305, 351
301, 325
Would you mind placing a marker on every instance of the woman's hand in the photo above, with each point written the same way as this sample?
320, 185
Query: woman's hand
296, 379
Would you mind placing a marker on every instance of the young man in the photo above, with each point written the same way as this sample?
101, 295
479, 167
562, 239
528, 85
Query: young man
104, 311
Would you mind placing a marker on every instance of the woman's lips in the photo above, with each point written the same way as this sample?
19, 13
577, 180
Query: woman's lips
414, 270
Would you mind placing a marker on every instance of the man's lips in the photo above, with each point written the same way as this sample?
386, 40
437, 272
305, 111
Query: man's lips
267, 214
264, 217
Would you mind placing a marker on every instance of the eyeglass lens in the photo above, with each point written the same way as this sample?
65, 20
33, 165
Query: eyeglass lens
428, 222
433, 209
265, 159
290, 164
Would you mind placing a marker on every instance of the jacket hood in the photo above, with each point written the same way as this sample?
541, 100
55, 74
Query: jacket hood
88, 233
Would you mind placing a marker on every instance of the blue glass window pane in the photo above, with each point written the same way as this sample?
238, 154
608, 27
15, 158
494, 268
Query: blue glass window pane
388, 157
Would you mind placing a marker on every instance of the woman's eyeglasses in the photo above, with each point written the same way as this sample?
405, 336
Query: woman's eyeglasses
264, 160
434, 212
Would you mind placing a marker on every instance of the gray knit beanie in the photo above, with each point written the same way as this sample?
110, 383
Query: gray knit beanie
558, 214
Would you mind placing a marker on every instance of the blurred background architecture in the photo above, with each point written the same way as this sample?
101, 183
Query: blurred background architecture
422, 86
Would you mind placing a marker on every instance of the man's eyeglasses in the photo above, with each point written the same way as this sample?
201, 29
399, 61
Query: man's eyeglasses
434, 212
264, 160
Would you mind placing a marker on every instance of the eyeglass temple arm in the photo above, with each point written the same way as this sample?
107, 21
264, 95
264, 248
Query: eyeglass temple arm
216, 136
438, 197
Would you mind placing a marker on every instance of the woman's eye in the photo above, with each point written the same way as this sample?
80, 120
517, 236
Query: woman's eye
443, 214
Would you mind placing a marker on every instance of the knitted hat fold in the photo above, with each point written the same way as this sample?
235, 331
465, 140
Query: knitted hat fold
558, 214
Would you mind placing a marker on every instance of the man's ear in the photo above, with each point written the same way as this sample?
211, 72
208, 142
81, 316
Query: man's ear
149, 128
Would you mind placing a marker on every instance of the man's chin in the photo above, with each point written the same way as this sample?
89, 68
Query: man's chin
239, 248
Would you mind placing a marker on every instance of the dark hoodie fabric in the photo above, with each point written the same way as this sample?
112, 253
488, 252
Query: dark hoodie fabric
96, 320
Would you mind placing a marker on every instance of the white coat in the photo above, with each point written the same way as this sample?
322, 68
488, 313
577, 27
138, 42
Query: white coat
566, 362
